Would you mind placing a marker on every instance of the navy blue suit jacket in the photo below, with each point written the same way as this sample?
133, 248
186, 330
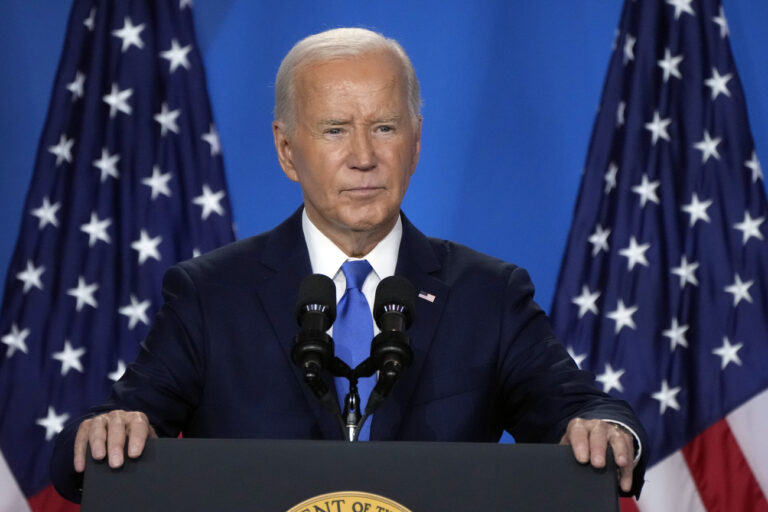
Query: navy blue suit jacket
216, 362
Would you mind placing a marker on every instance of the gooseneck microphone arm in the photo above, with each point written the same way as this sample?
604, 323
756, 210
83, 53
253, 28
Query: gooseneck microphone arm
313, 349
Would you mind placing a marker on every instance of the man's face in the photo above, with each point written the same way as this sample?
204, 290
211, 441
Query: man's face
353, 146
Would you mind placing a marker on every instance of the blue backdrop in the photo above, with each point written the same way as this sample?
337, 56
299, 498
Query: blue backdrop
510, 89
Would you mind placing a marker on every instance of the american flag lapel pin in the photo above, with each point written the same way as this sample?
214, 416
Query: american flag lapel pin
426, 296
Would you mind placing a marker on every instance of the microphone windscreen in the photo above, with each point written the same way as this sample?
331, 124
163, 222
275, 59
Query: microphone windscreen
317, 289
395, 290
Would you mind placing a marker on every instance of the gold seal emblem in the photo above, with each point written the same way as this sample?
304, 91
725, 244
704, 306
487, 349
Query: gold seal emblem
348, 501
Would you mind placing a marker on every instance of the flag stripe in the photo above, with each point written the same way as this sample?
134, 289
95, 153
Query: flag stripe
48, 500
722, 474
670, 488
12, 499
748, 427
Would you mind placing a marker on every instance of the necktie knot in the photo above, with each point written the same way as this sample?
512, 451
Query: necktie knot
355, 272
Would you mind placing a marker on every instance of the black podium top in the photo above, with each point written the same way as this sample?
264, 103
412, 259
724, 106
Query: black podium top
265, 475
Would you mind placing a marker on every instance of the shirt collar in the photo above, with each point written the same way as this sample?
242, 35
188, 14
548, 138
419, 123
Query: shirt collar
326, 258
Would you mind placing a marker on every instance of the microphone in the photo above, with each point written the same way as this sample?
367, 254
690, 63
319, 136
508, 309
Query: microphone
315, 312
391, 351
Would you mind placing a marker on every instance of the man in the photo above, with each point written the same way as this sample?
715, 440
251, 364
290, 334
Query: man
217, 360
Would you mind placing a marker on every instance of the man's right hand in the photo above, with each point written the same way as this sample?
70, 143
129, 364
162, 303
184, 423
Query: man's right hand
106, 434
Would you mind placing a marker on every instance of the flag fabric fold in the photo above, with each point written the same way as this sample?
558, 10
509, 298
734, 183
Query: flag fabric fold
663, 289
128, 180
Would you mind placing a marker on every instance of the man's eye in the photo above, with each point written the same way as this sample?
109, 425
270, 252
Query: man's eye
333, 131
386, 128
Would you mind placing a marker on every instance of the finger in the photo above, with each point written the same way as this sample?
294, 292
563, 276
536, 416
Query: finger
97, 437
81, 445
598, 443
577, 436
138, 430
623, 449
115, 438
623, 446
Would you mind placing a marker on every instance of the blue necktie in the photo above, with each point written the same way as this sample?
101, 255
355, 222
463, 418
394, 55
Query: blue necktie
352, 334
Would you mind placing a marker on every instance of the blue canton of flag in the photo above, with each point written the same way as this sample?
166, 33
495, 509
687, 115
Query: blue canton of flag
128, 180
663, 291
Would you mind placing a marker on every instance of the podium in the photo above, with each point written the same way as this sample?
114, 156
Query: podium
334, 476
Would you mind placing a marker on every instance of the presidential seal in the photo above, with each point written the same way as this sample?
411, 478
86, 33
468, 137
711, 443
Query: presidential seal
348, 501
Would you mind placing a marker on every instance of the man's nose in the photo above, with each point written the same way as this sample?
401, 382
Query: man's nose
362, 155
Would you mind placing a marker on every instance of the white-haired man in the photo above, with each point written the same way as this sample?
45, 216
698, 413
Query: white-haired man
217, 360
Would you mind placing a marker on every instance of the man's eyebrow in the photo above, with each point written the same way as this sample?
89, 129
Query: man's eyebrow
333, 122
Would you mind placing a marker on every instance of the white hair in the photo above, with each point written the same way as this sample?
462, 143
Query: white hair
336, 43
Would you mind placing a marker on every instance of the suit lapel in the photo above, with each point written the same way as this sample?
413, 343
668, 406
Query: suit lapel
418, 263
286, 254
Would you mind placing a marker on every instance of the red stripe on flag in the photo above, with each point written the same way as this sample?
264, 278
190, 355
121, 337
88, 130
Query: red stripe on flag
48, 500
628, 505
722, 474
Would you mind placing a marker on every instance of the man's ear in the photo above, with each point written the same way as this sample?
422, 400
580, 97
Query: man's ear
284, 150
416, 146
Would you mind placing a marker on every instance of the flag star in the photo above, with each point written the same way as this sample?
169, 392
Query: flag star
90, 21
629, 48
53, 423
47, 213
167, 119
158, 182
212, 138
635, 253
97, 229
718, 83
670, 65
130, 34
577, 358
697, 209
147, 247
136, 312
196, 252
740, 290
622, 315
647, 190
107, 164
118, 100
749, 228
586, 301
676, 335
728, 353
31, 276
658, 127
599, 240
667, 397
84, 293
119, 371
754, 164
70, 358
76, 86
720, 20
708, 147
620, 113
686, 271
177, 55
185, 3
62, 150
611, 379
210, 202
610, 177
681, 6
15, 339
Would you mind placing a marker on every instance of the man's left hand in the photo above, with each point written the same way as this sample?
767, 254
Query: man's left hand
589, 440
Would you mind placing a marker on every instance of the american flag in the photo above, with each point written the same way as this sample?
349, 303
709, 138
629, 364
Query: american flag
128, 180
663, 291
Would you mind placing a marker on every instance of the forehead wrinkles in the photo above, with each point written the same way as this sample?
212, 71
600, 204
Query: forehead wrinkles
320, 87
